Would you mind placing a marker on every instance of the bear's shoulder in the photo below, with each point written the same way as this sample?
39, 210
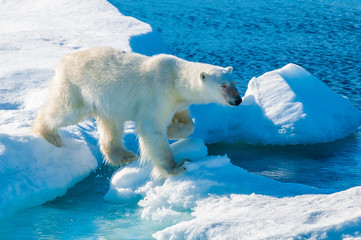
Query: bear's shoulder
165, 58
163, 61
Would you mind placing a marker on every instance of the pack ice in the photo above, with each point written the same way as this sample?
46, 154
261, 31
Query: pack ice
217, 200
284, 106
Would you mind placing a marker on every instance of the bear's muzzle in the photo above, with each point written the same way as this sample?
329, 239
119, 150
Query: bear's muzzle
235, 102
232, 96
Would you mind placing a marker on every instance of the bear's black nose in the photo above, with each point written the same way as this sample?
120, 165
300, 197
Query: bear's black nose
238, 101
235, 102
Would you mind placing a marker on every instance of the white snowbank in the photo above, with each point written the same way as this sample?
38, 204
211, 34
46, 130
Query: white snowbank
334, 216
285, 106
33, 172
34, 34
217, 200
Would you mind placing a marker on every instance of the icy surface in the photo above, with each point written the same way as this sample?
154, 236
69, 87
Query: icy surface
254, 216
33, 36
33, 172
227, 202
285, 106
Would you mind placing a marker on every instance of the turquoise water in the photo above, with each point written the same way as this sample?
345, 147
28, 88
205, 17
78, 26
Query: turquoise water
81, 214
253, 37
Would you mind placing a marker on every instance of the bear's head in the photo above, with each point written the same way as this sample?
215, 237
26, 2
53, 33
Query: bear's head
220, 87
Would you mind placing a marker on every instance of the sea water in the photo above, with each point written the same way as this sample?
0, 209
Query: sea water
254, 37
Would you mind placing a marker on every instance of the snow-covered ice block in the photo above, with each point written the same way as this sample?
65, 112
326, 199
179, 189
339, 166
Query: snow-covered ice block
239, 216
284, 106
129, 182
33, 171
214, 199
125, 184
190, 148
35, 34
170, 199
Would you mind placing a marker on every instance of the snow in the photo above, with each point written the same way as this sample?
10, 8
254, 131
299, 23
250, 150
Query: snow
33, 172
33, 36
226, 202
264, 217
284, 106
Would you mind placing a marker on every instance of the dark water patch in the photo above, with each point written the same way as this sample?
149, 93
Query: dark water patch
334, 165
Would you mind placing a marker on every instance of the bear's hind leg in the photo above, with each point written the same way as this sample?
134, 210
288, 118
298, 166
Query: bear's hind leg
65, 107
111, 143
50, 119
181, 125
49, 134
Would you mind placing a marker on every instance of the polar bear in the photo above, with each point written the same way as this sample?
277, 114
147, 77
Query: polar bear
115, 86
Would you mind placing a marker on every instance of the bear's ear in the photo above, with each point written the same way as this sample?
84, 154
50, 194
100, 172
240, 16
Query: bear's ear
203, 76
229, 69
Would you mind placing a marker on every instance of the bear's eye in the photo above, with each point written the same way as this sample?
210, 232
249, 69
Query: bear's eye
224, 86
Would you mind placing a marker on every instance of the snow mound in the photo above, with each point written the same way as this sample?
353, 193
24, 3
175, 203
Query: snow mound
284, 106
238, 216
129, 182
217, 200
33, 172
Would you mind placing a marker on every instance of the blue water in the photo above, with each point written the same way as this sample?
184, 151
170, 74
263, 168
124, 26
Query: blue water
253, 37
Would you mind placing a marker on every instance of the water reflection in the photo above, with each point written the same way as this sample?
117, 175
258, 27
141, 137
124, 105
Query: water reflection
80, 214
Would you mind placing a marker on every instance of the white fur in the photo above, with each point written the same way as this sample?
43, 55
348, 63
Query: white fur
114, 87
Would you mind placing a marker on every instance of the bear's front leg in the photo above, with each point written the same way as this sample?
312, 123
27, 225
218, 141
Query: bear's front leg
181, 125
154, 146
111, 143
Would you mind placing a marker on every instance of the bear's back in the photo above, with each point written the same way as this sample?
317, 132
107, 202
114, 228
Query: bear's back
99, 65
